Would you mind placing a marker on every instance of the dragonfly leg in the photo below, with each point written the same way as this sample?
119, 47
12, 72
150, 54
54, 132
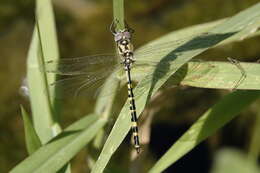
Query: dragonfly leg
242, 70
115, 22
129, 29
113, 26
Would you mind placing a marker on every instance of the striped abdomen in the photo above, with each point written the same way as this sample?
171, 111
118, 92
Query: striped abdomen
134, 126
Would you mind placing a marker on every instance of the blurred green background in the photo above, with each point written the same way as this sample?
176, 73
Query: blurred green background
83, 29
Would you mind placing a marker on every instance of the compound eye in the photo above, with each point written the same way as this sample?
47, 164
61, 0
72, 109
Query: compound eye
127, 35
118, 36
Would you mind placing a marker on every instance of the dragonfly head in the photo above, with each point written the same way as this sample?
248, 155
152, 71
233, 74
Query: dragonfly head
122, 35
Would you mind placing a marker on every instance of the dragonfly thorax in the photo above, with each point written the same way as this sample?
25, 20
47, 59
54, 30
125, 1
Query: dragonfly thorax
125, 48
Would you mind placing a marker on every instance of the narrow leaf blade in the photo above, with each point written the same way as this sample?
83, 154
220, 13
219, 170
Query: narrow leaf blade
31, 138
55, 154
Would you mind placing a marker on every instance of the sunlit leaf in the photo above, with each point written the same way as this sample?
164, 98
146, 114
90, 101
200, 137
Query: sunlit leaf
55, 154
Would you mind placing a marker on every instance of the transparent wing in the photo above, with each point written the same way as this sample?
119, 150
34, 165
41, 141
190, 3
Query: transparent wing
189, 42
88, 73
81, 65
187, 73
80, 85
82, 76
89, 64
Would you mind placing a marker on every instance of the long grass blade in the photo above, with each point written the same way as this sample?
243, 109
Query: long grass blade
52, 156
45, 122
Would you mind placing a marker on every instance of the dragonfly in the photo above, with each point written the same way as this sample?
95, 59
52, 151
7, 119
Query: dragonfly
125, 50
84, 75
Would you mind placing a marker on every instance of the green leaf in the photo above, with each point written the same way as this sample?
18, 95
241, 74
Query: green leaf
55, 154
47, 33
212, 74
43, 44
219, 75
170, 62
230, 160
216, 117
31, 138
43, 48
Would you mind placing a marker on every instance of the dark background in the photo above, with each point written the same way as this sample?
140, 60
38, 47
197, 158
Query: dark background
82, 28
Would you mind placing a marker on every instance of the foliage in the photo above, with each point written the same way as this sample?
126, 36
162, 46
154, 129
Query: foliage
60, 146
